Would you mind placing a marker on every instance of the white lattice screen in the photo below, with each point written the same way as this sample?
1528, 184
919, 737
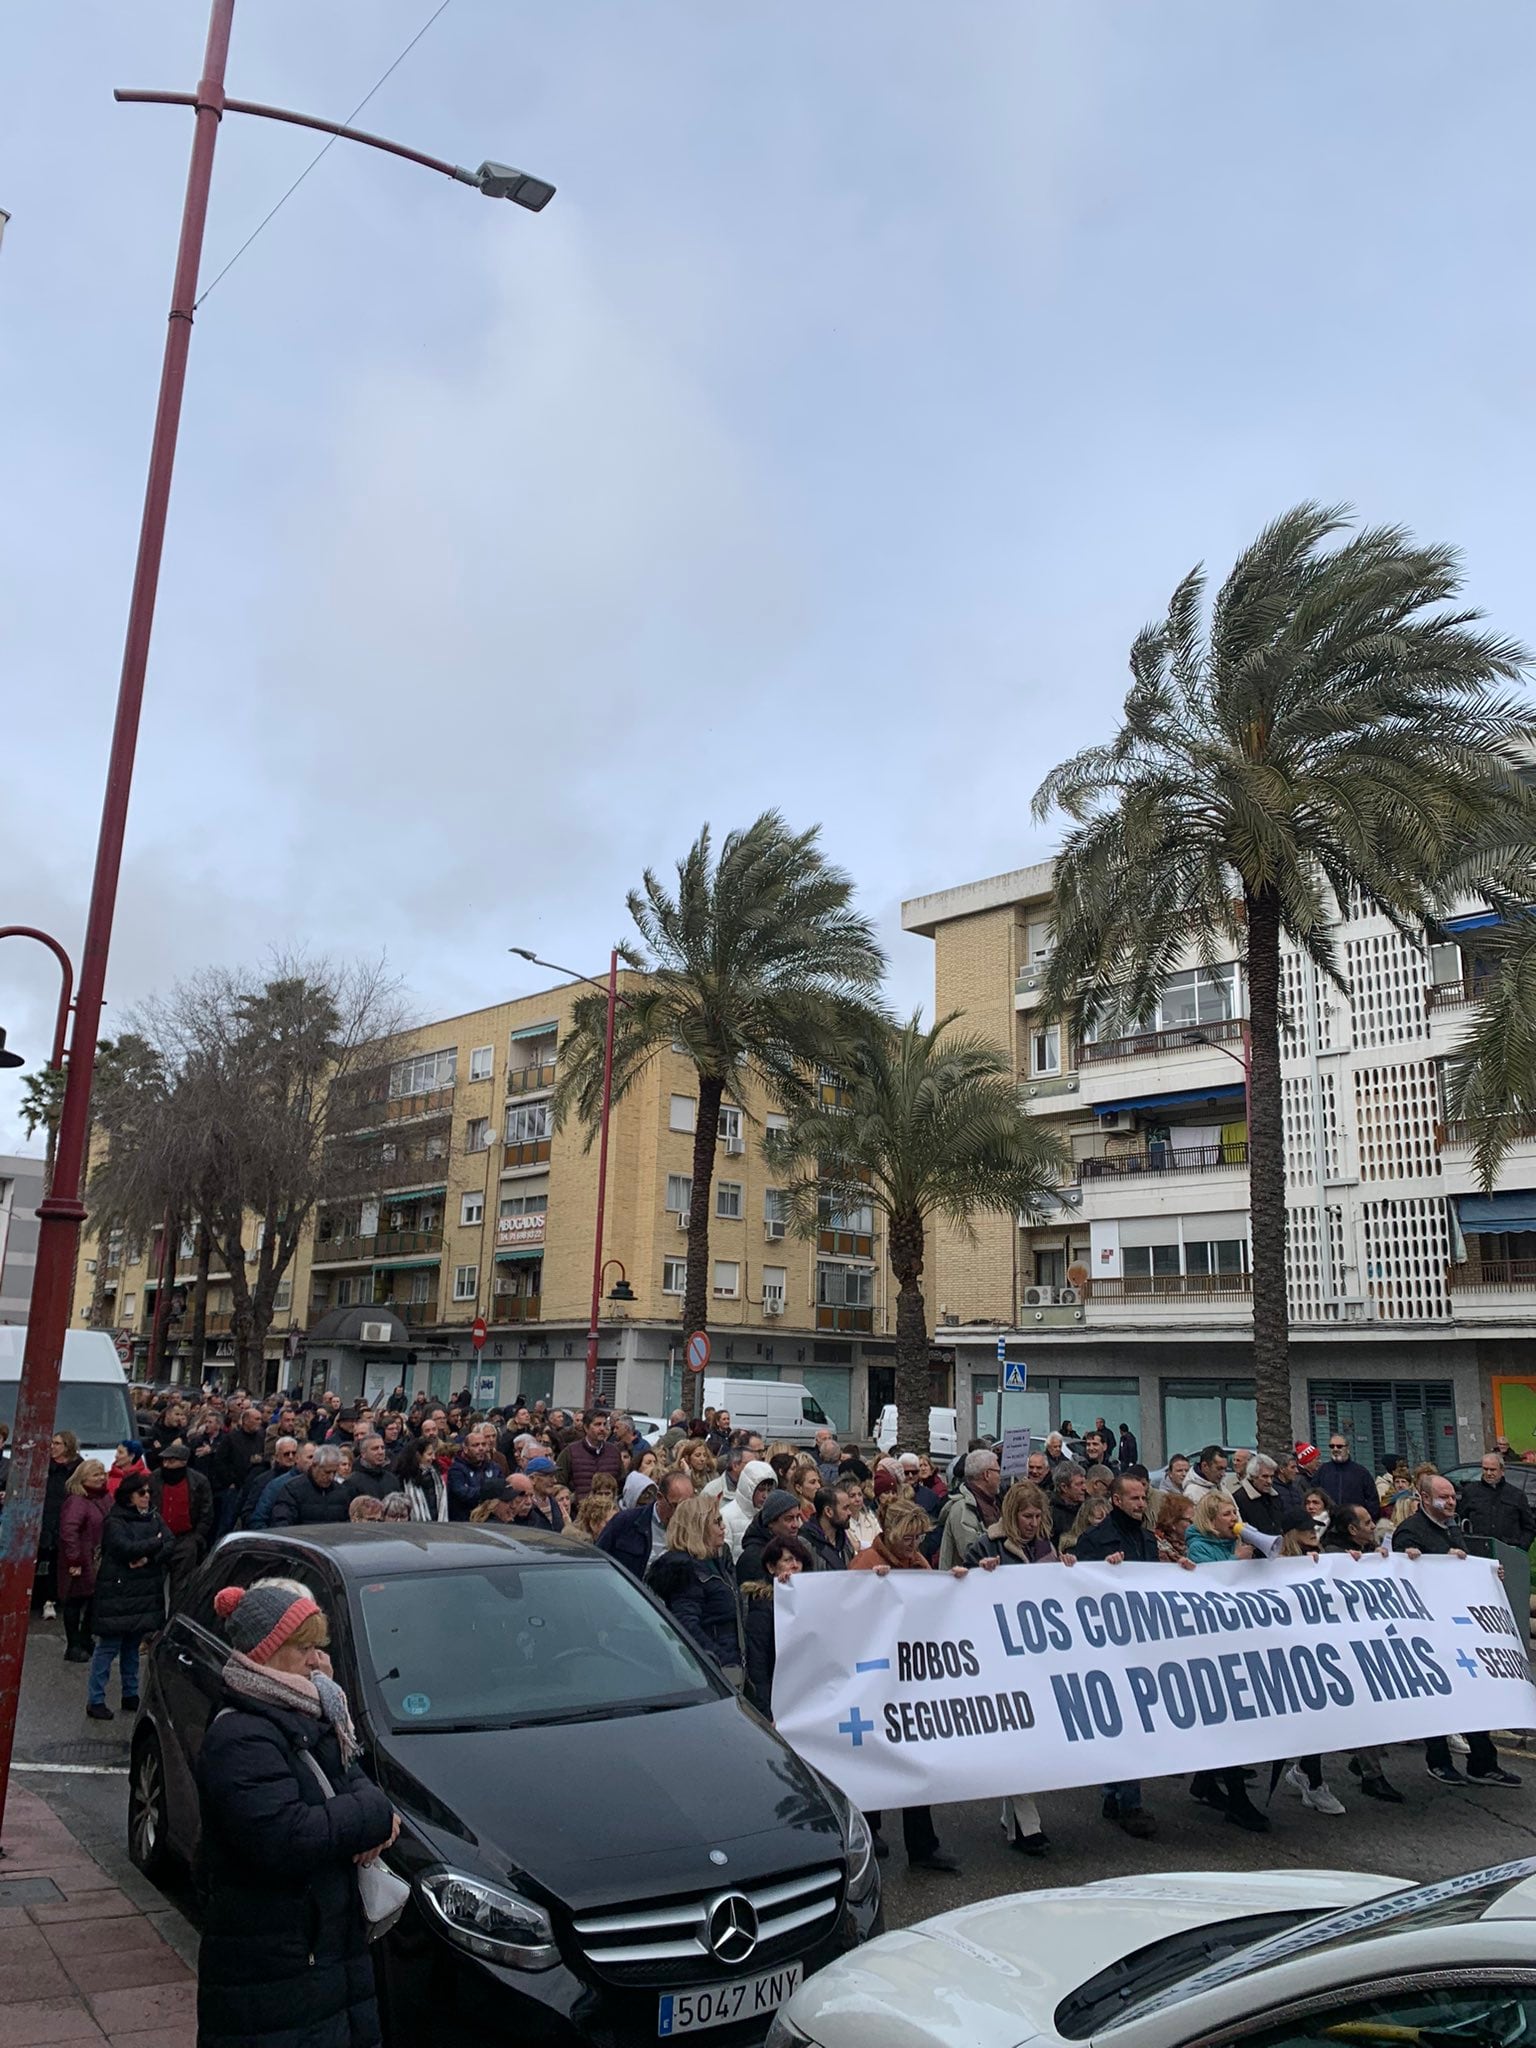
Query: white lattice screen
1300, 1131
1406, 1248
1295, 1024
1309, 1301
1396, 1111
1386, 980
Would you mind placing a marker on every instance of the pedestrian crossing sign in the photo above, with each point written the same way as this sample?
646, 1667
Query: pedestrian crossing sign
1014, 1376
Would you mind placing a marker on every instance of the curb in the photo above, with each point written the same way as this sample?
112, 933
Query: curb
103, 1846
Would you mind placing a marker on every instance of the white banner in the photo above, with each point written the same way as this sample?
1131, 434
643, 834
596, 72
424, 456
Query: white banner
917, 1687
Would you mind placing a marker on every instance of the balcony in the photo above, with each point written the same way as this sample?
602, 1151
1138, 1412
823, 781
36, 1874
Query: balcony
515, 1308
1493, 1291
1458, 1136
1166, 1159
855, 1319
410, 1169
342, 1251
525, 1152
416, 1315
846, 1244
399, 1244
1168, 1286
525, 1080
1206, 1299
217, 1323
401, 1109
1154, 1044
1457, 995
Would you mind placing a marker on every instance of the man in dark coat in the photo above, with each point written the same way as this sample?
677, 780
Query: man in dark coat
1347, 1483
591, 1452
1495, 1508
635, 1537
260, 1473
315, 1496
1123, 1538
1129, 1453
1258, 1505
825, 1535
781, 1514
372, 1474
183, 1500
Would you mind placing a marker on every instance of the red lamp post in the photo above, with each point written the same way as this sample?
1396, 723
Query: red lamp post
62, 1212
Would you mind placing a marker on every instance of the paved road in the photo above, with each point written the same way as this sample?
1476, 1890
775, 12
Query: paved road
1437, 1830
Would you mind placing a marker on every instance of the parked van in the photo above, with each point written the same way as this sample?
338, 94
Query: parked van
93, 1391
943, 1438
781, 1411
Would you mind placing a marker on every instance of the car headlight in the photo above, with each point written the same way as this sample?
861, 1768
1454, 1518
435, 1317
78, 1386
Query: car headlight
858, 1844
498, 1925
784, 2033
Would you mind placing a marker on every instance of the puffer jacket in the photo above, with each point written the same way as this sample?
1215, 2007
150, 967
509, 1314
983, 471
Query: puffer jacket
80, 1523
284, 1960
700, 1595
757, 1618
738, 1512
129, 1601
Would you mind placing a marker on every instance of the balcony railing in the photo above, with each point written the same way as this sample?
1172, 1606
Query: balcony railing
1492, 1276
402, 1108
415, 1314
846, 1244
828, 1318
1517, 1129
1147, 1044
1164, 1159
515, 1308
342, 1251
526, 1152
217, 1323
1455, 995
1196, 1287
523, 1080
395, 1244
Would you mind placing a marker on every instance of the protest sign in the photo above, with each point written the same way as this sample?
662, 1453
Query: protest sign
1015, 1453
919, 1687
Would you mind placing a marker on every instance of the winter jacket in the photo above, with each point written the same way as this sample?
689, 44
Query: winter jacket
466, 1486
830, 1556
879, 1554
1130, 1454
1262, 1510
259, 1476
995, 1543
116, 1475
284, 1960
578, 1465
428, 1496
1290, 1493
244, 1448
1062, 1518
1118, 1532
79, 1541
626, 1538
55, 1492
129, 1601
1205, 1549
757, 1628
199, 1501
749, 1564
738, 1511
964, 1525
1349, 1485
375, 1484
1502, 1512
700, 1595
298, 1502
1419, 1531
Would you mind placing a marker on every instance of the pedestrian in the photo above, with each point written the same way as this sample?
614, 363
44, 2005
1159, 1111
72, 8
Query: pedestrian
1493, 1507
694, 1580
1124, 1538
63, 1464
1019, 1536
288, 1815
783, 1559
128, 1457
1068, 1492
1210, 1470
1317, 1504
422, 1483
825, 1531
781, 1514
1289, 1485
592, 1451
313, 1498
183, 1499
86, 1506
930, 1489
1174, 1514
1129, 1452
1347, 1483
129, 1601
972, 1509
1215, 1539
1176, 1473
637, 1536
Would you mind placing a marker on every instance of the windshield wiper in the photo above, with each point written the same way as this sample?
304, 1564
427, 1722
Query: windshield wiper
557, 1717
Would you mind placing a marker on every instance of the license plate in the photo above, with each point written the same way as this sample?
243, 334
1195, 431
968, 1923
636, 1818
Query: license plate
718, 2005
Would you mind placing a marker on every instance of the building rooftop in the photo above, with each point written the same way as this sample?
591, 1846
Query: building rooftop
924, 914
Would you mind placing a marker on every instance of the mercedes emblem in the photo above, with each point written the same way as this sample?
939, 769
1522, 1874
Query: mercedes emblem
719, 1858
730, 1929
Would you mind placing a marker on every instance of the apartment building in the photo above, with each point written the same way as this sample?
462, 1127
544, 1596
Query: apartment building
474, 1206
21, 1189
1412, 1295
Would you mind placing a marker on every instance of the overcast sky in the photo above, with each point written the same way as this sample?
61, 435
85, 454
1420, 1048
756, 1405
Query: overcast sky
875, 374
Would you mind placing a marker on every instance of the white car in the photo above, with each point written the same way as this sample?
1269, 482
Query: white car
1196, 1959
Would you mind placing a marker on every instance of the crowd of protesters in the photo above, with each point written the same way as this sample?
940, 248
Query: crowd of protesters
714, 1520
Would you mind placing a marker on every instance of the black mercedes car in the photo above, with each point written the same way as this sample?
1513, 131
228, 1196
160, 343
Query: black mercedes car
604, 1844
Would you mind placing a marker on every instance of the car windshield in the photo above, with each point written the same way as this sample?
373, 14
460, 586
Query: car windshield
95, 1410
504, 1645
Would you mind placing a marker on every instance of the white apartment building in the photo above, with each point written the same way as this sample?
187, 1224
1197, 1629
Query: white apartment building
1412, 1295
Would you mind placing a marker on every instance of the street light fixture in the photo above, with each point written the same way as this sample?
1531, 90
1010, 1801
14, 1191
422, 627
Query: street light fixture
9, 1059
500, 181
62, 1212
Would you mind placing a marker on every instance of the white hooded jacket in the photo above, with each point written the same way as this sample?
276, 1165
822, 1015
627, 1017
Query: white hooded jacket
738, 1512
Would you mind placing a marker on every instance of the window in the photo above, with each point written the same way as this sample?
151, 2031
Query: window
1444, 964
477, 1134
776, 1122
730, 1128
1037, 941
684, 1113
776, 1211
466, 1282
727, 1279
283, 1298
1045, 1049
437, 1146
1143, 1261
423, 1073
523, 1205
679, 1194
471, 1208
343, 1293
480, 1062
1216, 1255
859, 1217
528, 1122
775, 1279
728, 1200
421, 1286
674, 1275
845, 1286
1199, 995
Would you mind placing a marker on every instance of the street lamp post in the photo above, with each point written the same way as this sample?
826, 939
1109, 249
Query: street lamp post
62, 1212
611, 990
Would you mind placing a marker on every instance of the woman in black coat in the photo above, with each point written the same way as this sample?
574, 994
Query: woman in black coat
784, 1557
284, 1961
694, 1580
129, 1601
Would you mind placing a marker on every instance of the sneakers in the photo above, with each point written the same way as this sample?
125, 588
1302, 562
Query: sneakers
1295, 1780
1492, 1778
938, 1860
1458, 1745
100, 1713
1139, 1825
76, 1655
1321, 1800
1445, 1774
50, 1612
1378, 1788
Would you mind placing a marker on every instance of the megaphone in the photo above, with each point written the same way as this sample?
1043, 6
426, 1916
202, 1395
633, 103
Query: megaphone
1266, 1546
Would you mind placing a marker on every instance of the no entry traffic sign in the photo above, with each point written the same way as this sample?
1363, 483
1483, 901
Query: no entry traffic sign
478, 1333
697, 1353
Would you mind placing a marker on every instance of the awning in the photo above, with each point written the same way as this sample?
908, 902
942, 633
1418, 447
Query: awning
403, 1265
1183, 1098
537, 1030
1482, 1215
1474, 921
524, 1252
393, 1201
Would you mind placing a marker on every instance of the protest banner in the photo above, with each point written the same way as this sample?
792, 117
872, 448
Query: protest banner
917, 1687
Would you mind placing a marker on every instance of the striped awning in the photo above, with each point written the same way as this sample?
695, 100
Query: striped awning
537, 1030
515, 1257
394, 1201
403, 1265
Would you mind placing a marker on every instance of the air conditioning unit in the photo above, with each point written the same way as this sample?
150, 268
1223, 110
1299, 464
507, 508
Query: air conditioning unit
682, 1221
1068, 1297
735, 1147
1039, 1297
773, 1304
373, 1333
1114, 1120
774, 1231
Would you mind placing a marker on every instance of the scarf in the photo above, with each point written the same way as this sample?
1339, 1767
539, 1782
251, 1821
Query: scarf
321, 1698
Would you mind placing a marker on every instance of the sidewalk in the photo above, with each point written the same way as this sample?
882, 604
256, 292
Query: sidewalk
79, 1962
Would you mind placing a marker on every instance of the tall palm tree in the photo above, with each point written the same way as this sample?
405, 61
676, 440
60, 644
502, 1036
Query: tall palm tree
754, 968
930, 1128
1490, 1079
1333, 725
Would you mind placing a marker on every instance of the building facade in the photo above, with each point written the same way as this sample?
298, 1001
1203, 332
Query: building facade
1412, 1296
470, 1204
22, 1183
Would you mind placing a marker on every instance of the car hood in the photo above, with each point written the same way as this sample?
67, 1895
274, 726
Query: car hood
993, 1974
538, 1802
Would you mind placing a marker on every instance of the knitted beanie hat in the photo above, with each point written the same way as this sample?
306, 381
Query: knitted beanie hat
259, 1619
778, 1503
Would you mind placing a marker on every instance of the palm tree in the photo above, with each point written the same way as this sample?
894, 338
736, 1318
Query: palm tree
930, 1128
754, 968
1490, 1079
1333, 725
42, 1104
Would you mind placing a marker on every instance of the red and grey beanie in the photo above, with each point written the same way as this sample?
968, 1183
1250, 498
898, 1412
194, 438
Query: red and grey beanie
259, 1619
1307, 1456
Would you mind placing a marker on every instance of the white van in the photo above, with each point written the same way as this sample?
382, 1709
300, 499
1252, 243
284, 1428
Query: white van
781, 1411
93, 1390
943, 1437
